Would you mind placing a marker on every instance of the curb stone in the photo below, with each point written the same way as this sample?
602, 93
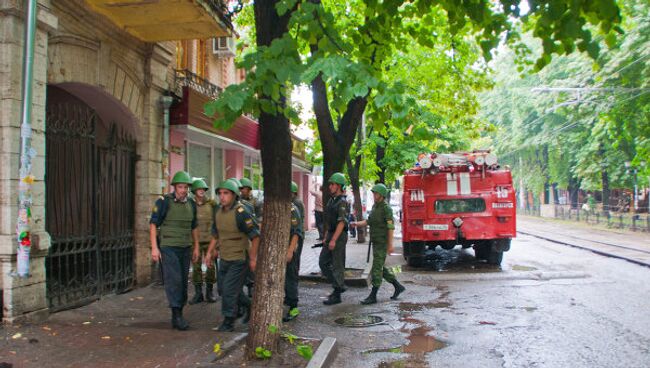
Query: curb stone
322, 358
324, 355
227, 347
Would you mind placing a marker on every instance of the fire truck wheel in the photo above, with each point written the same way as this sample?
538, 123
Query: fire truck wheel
495, 258
415, 261
482, 250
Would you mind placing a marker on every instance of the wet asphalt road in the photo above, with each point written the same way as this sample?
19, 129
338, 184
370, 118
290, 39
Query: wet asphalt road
548, 305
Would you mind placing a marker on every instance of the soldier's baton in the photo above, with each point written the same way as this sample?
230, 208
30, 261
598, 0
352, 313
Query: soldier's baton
368, 255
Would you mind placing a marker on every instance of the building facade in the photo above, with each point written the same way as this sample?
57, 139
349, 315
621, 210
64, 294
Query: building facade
100, 74
203, 69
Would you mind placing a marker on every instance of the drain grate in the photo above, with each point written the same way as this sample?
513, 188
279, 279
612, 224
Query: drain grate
359, 320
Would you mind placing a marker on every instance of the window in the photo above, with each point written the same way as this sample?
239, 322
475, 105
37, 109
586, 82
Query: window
181, 55
218, 166
460, 205
201, 59
199, 162
253, 171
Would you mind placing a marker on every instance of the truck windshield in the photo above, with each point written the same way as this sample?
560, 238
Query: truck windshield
460, 205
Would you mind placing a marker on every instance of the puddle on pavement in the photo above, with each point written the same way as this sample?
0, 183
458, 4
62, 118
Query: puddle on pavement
455, 260
416, 307
419, 342
403, 364
359, 320
523, 268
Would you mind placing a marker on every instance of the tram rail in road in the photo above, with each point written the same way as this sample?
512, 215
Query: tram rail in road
634, 255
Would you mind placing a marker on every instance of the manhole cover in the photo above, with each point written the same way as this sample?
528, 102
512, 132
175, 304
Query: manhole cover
359, 320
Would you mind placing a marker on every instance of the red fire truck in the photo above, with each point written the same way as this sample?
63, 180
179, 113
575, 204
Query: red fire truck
464, 199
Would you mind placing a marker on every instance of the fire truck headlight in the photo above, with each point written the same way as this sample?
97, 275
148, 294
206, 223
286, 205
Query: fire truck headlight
490, 159
479, 160
457, 222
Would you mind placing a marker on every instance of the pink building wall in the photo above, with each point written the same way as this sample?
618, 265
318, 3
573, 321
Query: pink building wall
177, 160
234, 164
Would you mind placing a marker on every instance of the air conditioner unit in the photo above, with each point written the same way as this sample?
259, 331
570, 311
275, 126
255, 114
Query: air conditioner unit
223, 46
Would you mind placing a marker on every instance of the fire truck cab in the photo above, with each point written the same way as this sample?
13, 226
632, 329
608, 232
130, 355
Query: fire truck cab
454, 199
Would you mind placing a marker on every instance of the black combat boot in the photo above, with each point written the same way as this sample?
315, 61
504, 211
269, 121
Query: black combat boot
399, 288
198, 294
334, 298
228, 325
178, 322
209, 296
372, 298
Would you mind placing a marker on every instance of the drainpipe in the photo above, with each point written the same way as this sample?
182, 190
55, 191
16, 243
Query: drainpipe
26, 151
166, 102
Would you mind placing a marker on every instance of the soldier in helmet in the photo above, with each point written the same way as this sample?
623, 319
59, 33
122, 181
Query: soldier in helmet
249, 206
301, 211
235, 230
293, 263
332, 256
246, 198
381, 225
175, 216
246, 190
203, 266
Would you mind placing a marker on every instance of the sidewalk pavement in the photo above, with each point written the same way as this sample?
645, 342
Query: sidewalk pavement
355, 260
127, 330
627, 245
133, 329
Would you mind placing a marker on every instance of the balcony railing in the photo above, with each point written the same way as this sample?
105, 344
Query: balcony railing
185, 78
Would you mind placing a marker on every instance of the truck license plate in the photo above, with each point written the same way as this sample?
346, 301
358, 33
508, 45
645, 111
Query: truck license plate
436, 227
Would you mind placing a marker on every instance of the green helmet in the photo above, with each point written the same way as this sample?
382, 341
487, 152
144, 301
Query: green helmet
199, 183
246, 182
380, 189
294, 187
229, 184
236, 181
181, 177
338, 178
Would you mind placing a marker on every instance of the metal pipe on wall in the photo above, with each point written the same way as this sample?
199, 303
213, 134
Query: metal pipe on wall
26, 178
166, 102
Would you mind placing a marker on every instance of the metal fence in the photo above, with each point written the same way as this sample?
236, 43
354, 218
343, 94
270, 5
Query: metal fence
614, 220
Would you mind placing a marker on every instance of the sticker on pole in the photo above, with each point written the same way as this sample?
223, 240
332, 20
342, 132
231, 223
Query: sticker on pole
436, 227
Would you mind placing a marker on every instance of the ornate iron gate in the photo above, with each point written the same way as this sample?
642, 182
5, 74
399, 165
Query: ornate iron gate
90, 177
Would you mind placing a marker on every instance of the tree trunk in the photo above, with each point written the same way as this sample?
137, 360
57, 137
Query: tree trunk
353, 172
381, 153
574, 186
604, 177
605, 182
275, 142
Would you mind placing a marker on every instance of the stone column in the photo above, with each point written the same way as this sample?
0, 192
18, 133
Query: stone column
149, 177
22, 298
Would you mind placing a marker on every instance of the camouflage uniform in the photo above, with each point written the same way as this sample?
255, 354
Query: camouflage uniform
291, 275
380, 221
332, 262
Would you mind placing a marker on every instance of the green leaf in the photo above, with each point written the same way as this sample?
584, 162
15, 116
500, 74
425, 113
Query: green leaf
290, 337
305, 351
273, 329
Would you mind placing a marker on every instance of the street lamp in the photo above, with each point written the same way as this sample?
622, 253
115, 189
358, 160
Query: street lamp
634, 171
